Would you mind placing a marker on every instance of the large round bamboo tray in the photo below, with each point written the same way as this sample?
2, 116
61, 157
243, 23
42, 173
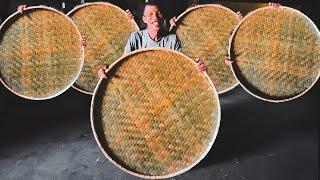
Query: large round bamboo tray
276, 53
106, 28
204, 31
155, 116
40, 53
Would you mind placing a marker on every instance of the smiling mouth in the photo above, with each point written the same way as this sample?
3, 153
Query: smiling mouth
156, 23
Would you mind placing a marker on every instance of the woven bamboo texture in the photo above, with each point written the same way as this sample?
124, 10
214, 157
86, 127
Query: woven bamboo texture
40, 53
276, 53
204, 32
155, 116
106, 29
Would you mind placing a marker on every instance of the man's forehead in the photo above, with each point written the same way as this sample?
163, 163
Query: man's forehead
151, 8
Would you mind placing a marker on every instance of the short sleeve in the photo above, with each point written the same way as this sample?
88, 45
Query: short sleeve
177, 45
131, 43
128, 47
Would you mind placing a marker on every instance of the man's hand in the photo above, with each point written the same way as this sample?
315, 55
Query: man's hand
21, 8
129, 14
83, 41
228, 60
240, 16
102, 71
200, 65
173, 21
274, 5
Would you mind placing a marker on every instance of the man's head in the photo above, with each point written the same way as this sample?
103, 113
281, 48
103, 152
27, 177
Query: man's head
152, 16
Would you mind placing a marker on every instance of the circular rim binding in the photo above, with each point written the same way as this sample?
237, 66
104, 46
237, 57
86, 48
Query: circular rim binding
232, 68
210, 5
96, 3
81, 52
209, 145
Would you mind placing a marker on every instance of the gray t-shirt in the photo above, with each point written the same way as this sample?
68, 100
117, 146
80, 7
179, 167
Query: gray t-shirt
141, 39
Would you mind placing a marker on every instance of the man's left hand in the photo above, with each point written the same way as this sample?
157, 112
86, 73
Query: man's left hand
200, 65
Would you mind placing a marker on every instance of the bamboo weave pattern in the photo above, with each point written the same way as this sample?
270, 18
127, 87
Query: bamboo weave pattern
40, 53
106, 29
158, 114
276, 53
204, 32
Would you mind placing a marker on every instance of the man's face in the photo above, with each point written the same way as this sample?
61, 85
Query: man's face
153, 17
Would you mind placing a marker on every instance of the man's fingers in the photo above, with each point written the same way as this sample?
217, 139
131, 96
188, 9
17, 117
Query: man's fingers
83, 41
102, 72
21, 8
201, 68
240, 16
129, 14
105, 68
200, 65
228, 60
173, 21
274, 5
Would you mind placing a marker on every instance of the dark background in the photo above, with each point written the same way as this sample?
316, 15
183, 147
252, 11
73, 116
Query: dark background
257, 140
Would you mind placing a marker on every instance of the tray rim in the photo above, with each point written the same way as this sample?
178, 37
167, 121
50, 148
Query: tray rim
42, 7
210, 5
76, 8
232, 68
210, 144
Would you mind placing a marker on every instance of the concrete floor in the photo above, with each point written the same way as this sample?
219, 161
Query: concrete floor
257, 140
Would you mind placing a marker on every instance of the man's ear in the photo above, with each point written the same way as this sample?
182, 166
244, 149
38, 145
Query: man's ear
144, 19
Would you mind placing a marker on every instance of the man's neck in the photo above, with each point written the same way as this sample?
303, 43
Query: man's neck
154, 35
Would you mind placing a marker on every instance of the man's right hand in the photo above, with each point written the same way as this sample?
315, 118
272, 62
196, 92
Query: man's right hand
102, 71
21, 8
173, 21
129, 14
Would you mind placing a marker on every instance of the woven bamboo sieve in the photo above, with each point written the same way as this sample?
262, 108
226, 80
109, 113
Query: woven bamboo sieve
155, 116
106, 28
204, 32
276, 53
40, 53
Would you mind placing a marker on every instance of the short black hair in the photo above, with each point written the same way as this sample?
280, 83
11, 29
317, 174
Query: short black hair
151, 3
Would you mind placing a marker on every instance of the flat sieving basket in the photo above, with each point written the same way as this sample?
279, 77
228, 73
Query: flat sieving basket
106, 28
155, 116
204, 32
276, 53
40, 53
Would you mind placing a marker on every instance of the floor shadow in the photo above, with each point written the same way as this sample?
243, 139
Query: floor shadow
23, 119
252, 124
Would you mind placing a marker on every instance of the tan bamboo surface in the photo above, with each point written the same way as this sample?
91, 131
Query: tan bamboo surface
155, 115
40, 53
106, 28
204, 31
276, 53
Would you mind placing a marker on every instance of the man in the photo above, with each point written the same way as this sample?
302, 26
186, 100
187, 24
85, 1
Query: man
154, 35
